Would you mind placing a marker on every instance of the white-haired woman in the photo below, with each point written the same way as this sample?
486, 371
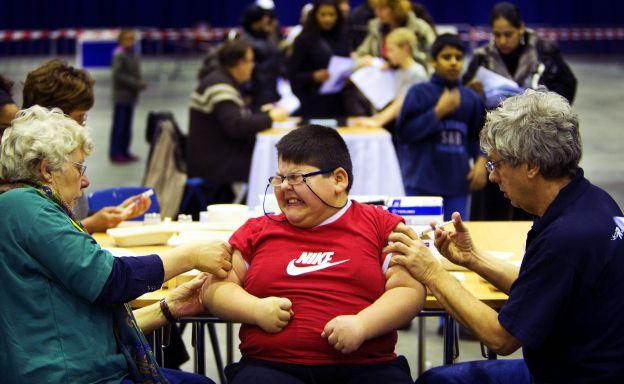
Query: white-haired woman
63, 317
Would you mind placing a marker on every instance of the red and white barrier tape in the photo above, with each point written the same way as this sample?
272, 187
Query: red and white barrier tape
215, 34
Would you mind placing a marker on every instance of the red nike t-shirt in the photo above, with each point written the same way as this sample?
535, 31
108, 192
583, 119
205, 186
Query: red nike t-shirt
326, 271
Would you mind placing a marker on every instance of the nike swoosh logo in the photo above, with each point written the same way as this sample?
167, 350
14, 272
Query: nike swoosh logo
294, 270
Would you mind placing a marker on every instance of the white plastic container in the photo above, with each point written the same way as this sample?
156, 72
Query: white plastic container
227, 213
417, 210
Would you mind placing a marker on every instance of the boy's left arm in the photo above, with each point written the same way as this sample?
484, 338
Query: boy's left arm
403, 299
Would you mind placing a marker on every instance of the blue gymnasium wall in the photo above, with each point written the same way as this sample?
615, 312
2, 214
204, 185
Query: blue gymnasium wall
51, 14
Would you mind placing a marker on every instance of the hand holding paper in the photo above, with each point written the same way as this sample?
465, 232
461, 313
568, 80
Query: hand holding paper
339, 69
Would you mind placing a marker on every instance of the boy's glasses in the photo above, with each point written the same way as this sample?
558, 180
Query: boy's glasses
296, 178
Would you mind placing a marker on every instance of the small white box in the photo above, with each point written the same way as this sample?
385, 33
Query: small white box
227, 213
417, 210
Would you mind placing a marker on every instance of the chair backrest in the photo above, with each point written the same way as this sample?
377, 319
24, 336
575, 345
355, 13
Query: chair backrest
165, 172
115, 196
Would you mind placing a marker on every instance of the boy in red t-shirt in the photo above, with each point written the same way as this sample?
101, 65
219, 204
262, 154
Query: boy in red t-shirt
311, 285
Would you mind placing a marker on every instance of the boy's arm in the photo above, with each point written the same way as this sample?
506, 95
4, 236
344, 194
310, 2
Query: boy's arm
227, 299
403, 299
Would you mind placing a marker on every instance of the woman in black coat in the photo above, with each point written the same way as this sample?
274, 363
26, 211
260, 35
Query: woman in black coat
517, 53
324, 35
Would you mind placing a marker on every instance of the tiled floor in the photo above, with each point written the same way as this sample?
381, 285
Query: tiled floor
599, 103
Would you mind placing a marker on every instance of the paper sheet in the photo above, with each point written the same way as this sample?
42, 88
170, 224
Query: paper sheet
492, 80
375, 84
496, 87
339, 70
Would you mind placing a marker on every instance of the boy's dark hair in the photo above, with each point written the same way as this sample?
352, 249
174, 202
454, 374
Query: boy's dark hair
446, 40
232, 51
507, 11
318, 146
56, 84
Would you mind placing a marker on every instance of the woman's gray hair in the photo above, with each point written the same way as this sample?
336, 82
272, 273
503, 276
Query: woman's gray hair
36, 134
537, 128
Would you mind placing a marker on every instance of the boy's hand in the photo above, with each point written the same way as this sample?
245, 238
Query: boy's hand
273, 313
345, 333
448, 103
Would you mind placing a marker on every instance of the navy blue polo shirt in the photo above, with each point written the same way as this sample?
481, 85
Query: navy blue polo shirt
567, 305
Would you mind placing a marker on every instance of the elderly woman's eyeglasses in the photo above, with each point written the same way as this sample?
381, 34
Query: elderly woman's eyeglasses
80, 167
491, 165
295, 178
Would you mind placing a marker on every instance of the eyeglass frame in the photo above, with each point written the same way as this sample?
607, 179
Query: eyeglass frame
80, 167
304, 176
490, 165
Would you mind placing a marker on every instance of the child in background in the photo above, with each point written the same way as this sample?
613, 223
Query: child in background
127, 83
438, 132
400, 43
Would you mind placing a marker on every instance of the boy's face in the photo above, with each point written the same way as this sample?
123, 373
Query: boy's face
396, 53
449, 63
299, 204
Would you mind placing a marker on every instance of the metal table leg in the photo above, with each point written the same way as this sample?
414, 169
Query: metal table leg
216, 351
199, 348
421, 345
229, 331
449, 339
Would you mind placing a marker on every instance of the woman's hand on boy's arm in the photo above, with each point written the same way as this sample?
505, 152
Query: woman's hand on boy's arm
226, 298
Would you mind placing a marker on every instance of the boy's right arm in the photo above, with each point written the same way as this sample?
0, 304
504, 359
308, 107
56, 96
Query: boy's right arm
227, 299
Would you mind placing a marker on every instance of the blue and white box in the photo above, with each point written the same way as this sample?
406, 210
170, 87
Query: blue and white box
417, 210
